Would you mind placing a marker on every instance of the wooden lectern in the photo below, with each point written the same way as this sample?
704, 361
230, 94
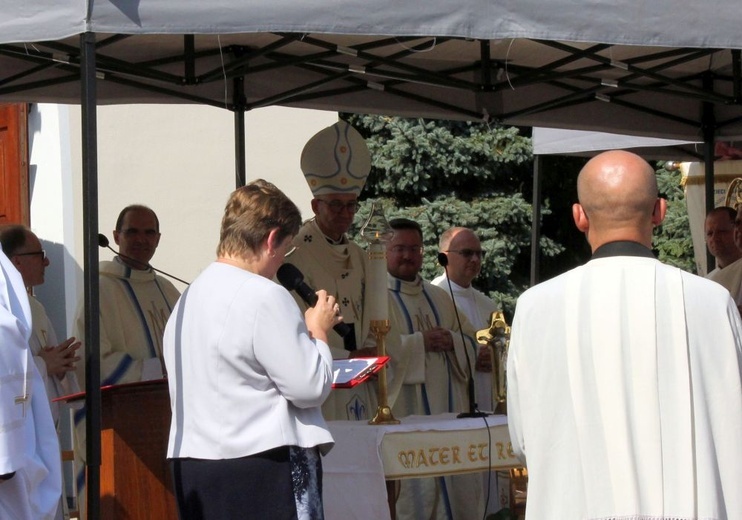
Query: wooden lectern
135, 480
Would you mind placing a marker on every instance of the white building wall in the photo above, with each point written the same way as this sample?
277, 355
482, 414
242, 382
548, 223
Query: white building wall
177, 159
52, 211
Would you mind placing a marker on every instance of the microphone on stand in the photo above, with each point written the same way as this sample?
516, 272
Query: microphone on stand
103, 242
473, 411
293, 280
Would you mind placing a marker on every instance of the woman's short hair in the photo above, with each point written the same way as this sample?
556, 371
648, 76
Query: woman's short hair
251, 213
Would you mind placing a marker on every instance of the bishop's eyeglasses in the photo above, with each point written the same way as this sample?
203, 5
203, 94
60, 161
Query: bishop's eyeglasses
337, 206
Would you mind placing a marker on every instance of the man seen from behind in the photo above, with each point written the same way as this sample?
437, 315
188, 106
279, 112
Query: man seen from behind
624, 385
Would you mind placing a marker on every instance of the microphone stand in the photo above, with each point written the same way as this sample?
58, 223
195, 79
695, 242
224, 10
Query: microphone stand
103, 242
473, 411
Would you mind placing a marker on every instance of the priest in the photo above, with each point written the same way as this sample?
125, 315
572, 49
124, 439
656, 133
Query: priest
430, 365
335, 163
624, 374
730, 276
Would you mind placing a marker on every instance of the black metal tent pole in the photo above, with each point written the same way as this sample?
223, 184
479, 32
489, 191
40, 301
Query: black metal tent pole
708, 127
239, 131
88, 102
536, 221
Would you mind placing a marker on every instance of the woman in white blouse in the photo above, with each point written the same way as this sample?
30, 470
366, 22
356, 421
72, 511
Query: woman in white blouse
247, 375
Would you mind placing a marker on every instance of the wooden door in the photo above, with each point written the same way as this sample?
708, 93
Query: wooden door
14, 201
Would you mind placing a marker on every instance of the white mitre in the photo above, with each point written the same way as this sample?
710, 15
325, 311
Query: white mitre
336, 160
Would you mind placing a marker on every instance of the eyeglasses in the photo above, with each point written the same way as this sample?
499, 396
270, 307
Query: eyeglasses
337, 206
398, 250
468, 253
42, 253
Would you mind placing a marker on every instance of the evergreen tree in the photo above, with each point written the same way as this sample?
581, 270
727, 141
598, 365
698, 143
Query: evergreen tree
452, 173
672, 240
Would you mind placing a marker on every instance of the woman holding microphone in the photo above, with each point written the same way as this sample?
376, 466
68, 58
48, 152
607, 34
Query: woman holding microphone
247, 374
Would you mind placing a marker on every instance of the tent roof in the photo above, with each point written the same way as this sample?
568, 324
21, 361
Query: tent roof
521, 62
555, 141
667, 23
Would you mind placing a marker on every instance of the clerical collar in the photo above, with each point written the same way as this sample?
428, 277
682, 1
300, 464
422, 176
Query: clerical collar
622, 248
331, 241
335, 242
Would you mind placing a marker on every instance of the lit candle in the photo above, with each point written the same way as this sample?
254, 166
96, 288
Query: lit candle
376, 290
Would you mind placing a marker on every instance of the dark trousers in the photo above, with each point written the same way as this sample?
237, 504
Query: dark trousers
255, 487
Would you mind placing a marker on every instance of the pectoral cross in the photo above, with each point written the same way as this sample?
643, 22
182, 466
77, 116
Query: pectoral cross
22, 400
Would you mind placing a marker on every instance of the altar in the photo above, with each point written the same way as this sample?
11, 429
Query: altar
365, 457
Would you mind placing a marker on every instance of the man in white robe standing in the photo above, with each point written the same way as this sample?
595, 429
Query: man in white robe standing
429, 372
55, 360
465, 255
718, 229
731, 275
30, 467
624, 374
135, 304
335, 163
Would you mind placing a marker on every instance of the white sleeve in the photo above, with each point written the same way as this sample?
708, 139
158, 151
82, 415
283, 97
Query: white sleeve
300, 367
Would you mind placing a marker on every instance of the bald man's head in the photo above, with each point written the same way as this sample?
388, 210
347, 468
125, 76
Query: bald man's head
465, 254
618, 194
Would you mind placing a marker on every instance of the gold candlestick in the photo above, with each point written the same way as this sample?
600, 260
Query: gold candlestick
380, 328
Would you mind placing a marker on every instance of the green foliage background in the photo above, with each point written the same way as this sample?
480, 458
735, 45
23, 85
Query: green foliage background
672, 241
446, 173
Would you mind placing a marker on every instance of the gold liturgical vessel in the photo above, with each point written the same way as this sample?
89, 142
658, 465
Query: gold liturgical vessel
733, 197
497, 337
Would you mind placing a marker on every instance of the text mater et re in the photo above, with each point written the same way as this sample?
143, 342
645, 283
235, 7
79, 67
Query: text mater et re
452, 455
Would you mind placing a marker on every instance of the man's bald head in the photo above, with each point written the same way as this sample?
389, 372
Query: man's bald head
445, 241
618, 194
465, 254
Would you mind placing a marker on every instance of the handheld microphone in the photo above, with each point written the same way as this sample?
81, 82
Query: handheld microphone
473, 411
103, 242
293, 280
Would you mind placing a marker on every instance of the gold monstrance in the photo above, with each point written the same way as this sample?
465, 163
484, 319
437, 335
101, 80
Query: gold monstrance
497, 337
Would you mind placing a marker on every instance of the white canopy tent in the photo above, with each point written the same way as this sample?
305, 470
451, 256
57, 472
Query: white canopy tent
670, 68
663, 22
641, 68
556, 141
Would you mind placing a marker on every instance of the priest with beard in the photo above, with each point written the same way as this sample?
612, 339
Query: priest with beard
430, 371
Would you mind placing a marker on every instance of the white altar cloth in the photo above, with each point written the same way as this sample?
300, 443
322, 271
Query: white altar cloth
364, 456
